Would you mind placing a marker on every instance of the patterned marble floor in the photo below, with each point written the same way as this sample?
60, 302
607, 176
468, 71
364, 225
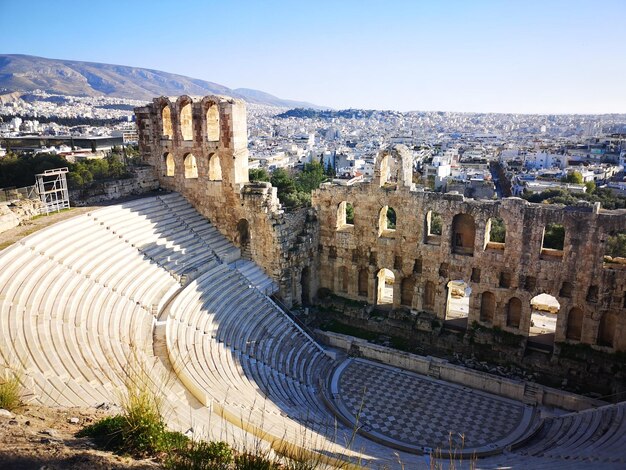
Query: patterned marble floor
420, 411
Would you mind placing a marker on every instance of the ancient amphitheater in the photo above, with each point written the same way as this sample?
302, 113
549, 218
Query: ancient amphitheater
180, 284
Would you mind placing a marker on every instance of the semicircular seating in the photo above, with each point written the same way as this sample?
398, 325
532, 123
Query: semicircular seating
80, 304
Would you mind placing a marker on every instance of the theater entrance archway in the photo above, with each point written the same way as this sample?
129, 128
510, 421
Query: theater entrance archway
544, 311
457, 304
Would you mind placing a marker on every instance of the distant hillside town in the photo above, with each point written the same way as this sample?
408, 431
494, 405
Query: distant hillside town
479, 155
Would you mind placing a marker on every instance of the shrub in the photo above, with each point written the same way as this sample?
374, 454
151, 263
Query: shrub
254, 461
10, 391
201, 456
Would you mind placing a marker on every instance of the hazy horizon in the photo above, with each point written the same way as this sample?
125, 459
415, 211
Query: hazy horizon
532, 57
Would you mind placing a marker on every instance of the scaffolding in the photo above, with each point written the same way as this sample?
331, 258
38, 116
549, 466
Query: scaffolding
52, 189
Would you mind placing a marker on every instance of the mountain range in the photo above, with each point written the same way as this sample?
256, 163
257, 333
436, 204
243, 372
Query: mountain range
25, 73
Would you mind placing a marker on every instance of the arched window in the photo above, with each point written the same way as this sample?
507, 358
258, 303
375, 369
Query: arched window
406, 291
186, 126
606, 331
191, 168
429, 295
345, 214
386, 220
170, 166
514, 312
434, 227
553, 241
363, 278
495, 234
166, 120
574, 324
463, 234
487, 307
213, 123
215, 169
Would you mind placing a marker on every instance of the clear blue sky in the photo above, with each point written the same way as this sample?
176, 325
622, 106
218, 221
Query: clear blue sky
491, 56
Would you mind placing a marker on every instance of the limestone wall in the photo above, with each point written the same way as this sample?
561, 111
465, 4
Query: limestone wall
198, 147
8, 219
14, 213
142, 181
423, 263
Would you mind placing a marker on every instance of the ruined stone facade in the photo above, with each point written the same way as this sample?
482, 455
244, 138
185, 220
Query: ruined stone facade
504, 277
198, 147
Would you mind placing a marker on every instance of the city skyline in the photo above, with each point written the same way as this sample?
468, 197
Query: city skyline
538, 58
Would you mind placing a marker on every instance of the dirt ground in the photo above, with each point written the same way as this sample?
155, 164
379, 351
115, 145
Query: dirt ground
41, 438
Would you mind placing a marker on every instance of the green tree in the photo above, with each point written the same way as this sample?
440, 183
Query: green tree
391, 219
258, 174
311, 177
349, 213
573, 177
498, 230
616, 245
285, 185
554, 236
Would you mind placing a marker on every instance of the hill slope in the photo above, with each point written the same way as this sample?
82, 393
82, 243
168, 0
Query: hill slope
70, 77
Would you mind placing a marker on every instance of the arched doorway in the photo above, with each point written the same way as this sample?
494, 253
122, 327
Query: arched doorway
543, 318
243, 233
457, 304
384, 287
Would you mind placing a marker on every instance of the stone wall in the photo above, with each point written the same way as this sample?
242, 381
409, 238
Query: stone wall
198, 147
8, 219
14, 213
142, 181
423, 263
